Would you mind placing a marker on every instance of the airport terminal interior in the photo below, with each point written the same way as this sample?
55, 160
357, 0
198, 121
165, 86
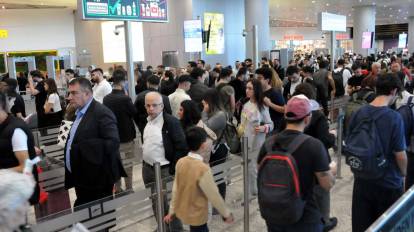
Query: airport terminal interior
206, 115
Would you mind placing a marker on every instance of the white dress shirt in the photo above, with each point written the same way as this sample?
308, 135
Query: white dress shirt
101, 89
153, 148
175, 100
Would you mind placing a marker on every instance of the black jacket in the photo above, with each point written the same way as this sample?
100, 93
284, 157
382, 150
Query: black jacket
8, 158
197, 91
173, 137
94, 155
121, 105
141, 115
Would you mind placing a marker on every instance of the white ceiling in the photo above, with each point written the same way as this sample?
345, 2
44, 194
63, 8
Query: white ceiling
38, 3
283, 12
305, 11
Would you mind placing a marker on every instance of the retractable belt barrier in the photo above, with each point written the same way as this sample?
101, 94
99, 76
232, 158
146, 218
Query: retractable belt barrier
133, 207
399, 217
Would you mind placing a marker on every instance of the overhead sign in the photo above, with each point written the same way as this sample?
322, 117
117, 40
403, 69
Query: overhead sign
193, 40
367, 39
402, 40
4, 34
214, 22
293, 37
331, 22
131, 10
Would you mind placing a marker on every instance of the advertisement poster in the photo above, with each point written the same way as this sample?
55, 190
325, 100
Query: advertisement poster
193, 40
402, 40
214, 21
367, 39
134, 10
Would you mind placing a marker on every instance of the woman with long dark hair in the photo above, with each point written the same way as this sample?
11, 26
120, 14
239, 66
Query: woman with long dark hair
255, 124
53, 109
190, 115
215, 119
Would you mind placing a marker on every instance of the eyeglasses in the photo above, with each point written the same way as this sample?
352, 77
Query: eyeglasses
152, 105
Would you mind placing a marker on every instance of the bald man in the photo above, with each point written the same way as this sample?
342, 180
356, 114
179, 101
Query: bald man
164, 142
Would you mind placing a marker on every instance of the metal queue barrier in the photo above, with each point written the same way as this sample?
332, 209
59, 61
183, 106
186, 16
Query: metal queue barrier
338, 105
133, 207
399, 217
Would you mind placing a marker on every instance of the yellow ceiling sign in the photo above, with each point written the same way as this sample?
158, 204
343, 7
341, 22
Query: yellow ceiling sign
4, 34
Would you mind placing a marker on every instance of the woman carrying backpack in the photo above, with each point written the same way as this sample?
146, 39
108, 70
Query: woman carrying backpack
255, 124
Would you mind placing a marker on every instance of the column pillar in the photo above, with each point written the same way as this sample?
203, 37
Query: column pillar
257, 13
364, 20
411, 34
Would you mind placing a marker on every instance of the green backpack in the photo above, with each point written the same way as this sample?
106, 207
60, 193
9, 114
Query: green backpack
354, 104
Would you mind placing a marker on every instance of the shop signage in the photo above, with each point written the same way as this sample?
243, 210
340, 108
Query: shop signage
131, 10
293, 37
342, 36
4, 34
215, 23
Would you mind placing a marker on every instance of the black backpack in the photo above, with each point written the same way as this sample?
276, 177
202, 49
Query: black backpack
363, 148
279, 195
406, 112
339, 83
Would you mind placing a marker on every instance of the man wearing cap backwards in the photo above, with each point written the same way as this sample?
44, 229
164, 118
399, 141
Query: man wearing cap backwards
311, 160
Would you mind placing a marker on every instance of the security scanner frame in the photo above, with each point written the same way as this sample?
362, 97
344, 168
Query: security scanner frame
50, 64
11, 64
286, 54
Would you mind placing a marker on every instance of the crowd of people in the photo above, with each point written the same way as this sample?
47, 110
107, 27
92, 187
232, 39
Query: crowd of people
184, 116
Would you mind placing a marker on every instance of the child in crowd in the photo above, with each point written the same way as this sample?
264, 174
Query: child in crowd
194, 186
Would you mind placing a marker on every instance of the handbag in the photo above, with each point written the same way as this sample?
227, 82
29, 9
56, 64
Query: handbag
64, 130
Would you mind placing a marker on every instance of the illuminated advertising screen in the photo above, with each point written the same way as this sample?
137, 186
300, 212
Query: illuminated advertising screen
367, 39
134, 10
402, 40
215, 23
331, 22
193, 40
113, 45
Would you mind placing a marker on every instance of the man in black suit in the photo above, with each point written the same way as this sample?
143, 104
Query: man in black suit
92, 159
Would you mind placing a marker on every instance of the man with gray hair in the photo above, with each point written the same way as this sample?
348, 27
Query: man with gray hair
92, 160
164, 143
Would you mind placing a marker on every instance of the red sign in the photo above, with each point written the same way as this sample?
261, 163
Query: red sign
293, 37
342, 36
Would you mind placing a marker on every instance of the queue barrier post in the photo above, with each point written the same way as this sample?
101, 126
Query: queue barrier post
339, 142
160, 197
246, 160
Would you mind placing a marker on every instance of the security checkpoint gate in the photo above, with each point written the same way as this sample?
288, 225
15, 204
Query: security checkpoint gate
50, 64
11, 64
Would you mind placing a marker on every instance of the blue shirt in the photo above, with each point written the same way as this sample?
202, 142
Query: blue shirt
392, 136
79, 115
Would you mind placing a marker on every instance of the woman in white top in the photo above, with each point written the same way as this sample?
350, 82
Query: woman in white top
255, 123
53, 109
